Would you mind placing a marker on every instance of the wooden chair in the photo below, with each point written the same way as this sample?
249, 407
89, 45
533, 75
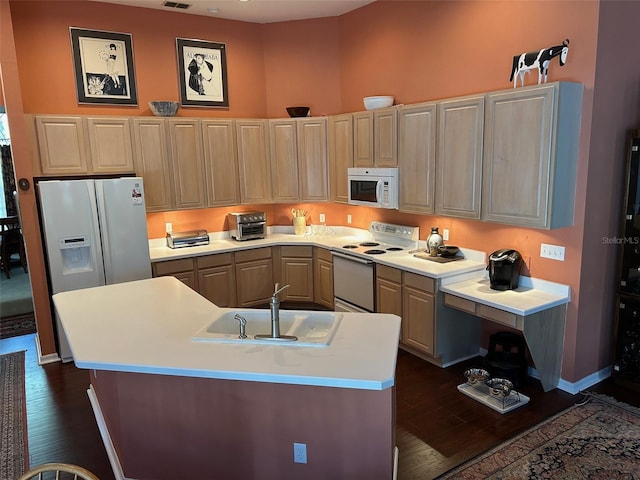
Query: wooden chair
11, 242
56, 469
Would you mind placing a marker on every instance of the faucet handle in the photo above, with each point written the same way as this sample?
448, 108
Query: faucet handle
278, 289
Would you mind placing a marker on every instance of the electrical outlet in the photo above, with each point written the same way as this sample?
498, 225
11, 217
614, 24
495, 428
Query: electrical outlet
445, 234
300, 452
168, 227
322, 218
348, 219
554, 252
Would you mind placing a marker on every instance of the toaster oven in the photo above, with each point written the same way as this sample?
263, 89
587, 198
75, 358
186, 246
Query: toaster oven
247, 225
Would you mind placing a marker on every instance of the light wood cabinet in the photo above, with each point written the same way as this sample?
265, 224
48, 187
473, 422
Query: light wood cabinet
298, 158
418, 310
110, 144
221, 162
152, 162
284, 160
530, 155
62, 145
340, 155
296, 270
217, 280
416, 158
253, 161
183, 269
254, 276
388, 290
312, 159
323, 278
375, 138
459, 157
363, 139
185, 139
385, 137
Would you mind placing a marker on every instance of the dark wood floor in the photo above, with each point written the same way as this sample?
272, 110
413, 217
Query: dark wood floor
438, 427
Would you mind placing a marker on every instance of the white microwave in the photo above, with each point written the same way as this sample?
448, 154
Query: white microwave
373, 187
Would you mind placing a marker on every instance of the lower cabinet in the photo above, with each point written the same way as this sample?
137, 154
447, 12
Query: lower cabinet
217, 279
183, 269
388, 290
254, 276
323, 278
296, 270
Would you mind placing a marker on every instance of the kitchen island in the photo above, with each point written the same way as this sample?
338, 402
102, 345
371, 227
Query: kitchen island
169, 407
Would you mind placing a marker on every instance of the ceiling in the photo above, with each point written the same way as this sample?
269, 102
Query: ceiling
256, 11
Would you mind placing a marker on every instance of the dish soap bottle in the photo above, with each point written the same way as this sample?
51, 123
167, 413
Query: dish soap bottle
434, 240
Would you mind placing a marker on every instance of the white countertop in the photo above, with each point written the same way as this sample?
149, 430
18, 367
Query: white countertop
147, 327
532, 295
220, 243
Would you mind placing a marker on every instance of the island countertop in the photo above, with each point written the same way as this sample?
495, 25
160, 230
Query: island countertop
147, 326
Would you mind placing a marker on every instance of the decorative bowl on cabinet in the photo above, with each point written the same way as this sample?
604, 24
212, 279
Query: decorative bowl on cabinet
164, 109
371, 103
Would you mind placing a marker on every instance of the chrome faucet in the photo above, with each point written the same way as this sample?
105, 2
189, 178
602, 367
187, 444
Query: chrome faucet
274, 307
243, 325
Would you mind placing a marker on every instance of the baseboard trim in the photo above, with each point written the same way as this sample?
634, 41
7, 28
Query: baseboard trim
44, 359
106, 438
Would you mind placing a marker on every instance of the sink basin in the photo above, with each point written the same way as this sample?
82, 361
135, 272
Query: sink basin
313, 329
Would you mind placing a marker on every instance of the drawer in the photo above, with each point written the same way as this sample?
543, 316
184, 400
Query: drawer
253, 254
459, 303
304, 251
389, 273
216, 260
172, 266
420, 282
500, 316
323, 254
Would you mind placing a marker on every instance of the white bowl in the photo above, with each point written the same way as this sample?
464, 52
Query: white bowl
371, 103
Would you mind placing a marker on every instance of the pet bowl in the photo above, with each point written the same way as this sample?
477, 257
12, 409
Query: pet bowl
476, 375
499, 387
447, 250
298, 111
371, 103
164, 109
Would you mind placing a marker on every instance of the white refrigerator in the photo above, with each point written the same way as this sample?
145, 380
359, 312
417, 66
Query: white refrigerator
95, 234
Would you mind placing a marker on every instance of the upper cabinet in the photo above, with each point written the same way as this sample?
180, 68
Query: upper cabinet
312, 159
152, 162
185, 140
531, 138
299, 170
340, 155
459, 157
416, 158
375, 138
110, 144
253, 161
72, 145
221, 162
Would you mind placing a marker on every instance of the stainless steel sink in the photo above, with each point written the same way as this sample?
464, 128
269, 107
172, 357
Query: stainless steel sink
313, 329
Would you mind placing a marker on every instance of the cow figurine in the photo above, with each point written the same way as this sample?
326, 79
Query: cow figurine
528, 61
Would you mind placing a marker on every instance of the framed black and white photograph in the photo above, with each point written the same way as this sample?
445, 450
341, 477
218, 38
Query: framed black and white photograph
103, 64
202, 70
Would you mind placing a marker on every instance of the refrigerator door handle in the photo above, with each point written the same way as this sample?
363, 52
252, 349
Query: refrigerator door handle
104, 238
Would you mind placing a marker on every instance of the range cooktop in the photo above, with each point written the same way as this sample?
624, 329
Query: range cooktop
386, 238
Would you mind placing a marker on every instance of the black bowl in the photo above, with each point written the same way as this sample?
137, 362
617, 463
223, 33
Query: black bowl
448, 250
298, 111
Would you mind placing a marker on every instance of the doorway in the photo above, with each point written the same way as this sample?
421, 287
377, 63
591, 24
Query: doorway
16, 301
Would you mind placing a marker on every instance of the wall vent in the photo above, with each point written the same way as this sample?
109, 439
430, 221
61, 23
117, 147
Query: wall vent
182, 6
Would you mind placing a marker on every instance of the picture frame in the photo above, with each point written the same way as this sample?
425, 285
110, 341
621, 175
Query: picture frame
103, 63
202, 73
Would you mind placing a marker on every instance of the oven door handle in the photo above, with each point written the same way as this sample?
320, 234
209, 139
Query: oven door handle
353, 259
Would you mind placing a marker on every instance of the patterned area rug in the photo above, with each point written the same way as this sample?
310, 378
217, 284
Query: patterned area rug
16, 325
13, 417
598, 440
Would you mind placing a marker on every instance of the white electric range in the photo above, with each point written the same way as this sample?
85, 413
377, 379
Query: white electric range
354, 269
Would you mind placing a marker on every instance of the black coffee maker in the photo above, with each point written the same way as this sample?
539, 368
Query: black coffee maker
504, 269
